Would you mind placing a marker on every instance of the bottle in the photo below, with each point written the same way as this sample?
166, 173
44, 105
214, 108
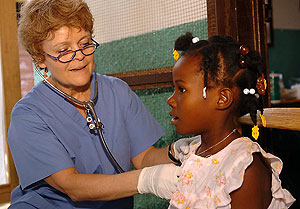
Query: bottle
275, 86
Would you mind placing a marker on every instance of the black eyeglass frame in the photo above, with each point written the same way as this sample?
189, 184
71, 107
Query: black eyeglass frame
74, 52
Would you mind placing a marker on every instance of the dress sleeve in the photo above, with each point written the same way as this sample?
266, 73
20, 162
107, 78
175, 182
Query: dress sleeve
241, 157
36, 151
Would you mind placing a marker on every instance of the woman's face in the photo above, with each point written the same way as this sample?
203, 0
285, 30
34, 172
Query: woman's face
190, 111
75, 74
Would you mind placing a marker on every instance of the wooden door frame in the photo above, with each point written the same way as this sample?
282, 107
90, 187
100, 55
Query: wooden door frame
11, 80
244, 20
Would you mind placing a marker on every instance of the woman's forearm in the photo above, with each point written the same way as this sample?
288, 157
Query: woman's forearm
94, 187
156, 156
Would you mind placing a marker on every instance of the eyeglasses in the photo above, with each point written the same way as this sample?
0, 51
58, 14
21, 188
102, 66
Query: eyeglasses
68, 56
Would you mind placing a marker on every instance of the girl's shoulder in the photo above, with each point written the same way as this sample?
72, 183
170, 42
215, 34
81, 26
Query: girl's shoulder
243, 153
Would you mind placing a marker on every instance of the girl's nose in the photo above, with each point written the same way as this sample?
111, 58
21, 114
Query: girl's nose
171, 101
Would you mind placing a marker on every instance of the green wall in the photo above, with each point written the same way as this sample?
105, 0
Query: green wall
147, 51
284, 55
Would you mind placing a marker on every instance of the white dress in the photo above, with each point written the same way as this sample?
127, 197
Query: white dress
208, 182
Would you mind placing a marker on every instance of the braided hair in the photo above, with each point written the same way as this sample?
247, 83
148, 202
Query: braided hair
221, 65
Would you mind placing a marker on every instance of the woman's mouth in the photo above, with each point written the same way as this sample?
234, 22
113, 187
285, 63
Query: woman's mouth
78, 69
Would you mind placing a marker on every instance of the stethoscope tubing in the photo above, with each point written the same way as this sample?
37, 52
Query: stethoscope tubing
90, 106
99, 125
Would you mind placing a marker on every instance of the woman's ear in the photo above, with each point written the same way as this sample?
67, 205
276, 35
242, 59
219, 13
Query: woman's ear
225, 99
39, 61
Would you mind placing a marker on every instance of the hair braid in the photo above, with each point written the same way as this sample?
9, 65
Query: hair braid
220, 64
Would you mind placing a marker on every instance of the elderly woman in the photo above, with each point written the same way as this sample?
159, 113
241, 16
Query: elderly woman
59, 158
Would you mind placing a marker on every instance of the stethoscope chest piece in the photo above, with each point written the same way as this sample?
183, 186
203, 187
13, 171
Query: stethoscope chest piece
92, 123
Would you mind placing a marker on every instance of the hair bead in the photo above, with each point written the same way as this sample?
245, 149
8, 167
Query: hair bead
242, 62
261, 85
195, 40
243, 50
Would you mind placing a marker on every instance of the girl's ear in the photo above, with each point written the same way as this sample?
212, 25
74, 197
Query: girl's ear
225, 99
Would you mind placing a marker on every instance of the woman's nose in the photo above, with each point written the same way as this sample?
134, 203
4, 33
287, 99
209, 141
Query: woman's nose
79, 55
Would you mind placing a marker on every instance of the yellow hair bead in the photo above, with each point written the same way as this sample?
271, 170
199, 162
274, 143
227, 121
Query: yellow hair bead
263, 120
255, 132
175, 54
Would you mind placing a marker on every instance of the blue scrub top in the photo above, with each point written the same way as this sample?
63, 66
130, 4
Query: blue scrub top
48, 134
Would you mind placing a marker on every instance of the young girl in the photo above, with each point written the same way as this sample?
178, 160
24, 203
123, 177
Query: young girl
215, 82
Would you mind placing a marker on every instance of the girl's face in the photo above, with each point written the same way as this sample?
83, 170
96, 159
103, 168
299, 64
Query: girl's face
75, 74
190, 111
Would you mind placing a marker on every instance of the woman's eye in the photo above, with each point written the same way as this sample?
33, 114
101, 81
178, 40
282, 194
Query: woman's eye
182, 90
62, 51
87, 43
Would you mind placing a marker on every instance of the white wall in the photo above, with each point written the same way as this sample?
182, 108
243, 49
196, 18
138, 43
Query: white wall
117, 19
286, 14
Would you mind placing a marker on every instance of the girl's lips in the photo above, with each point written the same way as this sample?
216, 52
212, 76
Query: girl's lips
174, 120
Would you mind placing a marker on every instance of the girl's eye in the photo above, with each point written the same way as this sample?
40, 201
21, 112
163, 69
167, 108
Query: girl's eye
182, 90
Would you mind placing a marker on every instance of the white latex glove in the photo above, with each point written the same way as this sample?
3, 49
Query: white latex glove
181, 147
160, 180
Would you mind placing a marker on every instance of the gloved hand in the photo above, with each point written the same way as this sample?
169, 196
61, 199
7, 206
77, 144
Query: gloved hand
160, 180
181, 147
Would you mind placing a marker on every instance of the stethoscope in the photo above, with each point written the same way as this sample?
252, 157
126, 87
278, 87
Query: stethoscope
92, 118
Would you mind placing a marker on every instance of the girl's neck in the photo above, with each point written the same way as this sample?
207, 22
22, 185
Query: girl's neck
215, 141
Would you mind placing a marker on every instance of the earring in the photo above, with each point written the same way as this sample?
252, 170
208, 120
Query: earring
204, 93
45, 72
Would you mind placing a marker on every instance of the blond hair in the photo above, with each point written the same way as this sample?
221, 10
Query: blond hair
40, 18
